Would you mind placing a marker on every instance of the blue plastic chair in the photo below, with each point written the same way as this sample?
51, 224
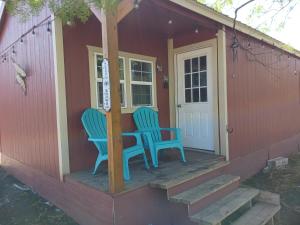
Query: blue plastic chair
94, 123
147, 123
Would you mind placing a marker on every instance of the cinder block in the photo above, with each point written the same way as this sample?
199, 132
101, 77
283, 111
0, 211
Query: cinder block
278, 163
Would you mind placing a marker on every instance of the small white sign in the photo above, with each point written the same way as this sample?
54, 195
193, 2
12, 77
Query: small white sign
106, 86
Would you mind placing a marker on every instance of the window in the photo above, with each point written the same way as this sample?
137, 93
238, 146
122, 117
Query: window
195, 79
99, 60
141, 82
137, 80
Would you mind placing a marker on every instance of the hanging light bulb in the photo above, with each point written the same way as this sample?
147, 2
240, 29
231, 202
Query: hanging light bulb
48, 26
33, 30
14, 50
170, 22
196, 31
21, 39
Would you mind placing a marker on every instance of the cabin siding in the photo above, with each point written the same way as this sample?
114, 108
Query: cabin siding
28, 123
263, 101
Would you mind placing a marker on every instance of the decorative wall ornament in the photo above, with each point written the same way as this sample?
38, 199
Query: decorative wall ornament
20, 76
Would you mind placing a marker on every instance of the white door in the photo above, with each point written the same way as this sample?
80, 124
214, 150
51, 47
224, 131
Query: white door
195, 99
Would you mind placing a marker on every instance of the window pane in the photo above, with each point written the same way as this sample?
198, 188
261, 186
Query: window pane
188, 96
122, 93
136, 76
100, 93
195, 64
146, 67
196, 95
187, 66
187, 81
147, 77
203, 79
135, 65
99, 66
195, 82
203, 94
203, 63
141, 94
121, 65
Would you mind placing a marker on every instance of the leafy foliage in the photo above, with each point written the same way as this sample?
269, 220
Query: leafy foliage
67, 10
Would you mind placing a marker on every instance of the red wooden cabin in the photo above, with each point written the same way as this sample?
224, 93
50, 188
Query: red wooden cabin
244, 110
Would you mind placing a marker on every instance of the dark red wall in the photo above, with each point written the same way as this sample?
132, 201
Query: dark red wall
28, 123
263, 100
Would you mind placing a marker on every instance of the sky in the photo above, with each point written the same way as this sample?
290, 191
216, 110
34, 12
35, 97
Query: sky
289, 34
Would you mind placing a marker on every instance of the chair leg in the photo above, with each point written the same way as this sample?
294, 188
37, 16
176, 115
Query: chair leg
97, 164
126, 174
146, 161
153, 158
182, 153
156, 158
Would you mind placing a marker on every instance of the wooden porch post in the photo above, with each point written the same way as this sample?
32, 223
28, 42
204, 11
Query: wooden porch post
109, 24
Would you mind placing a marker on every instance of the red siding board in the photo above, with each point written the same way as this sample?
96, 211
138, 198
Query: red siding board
28, 123
263, 101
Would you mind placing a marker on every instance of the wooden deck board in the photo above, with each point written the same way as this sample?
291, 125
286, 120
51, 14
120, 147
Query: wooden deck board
170, 168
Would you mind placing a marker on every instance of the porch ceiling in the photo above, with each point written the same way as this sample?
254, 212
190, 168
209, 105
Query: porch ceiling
155, 15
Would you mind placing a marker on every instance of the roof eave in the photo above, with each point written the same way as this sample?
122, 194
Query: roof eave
228, 21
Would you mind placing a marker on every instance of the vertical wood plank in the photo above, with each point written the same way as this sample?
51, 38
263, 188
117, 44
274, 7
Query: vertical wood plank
114, 129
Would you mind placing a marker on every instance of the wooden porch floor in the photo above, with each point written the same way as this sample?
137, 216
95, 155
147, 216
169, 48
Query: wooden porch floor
170, 169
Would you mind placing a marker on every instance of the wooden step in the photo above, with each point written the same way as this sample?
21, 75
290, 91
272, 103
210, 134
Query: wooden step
260, 214
218, 211
202, 191
189, 179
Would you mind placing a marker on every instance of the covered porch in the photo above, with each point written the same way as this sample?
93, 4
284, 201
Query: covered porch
162, 35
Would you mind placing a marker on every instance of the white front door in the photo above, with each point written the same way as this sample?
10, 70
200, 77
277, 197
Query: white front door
195, 99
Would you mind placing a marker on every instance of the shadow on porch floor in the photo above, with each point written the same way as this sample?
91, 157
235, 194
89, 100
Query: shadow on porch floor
170, 168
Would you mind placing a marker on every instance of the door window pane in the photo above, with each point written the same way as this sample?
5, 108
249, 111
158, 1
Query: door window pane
203, 94
195, 82
187, 81
196, 97
203, 79
195, 64
188, 96
187, 66
203, 63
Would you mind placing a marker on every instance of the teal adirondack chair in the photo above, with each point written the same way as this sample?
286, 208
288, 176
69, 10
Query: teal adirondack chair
147, 123
94, 123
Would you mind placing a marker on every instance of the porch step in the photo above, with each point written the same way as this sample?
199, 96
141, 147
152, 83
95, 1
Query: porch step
189, 180
220, 210
204, 190
260, 214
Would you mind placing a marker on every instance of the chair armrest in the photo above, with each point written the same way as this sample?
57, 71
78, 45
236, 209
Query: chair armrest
177, 132
137, 136
97, 139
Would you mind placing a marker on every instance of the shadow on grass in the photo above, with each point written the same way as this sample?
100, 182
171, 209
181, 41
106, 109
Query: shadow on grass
20, 206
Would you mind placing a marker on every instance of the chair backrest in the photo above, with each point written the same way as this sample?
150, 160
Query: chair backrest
94, 123
147, 119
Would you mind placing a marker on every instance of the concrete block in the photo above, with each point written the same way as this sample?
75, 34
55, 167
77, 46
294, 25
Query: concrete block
278, 163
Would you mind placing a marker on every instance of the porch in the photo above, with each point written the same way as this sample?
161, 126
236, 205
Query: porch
171, 171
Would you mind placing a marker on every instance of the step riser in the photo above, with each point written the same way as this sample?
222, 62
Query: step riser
196, 181
197, 206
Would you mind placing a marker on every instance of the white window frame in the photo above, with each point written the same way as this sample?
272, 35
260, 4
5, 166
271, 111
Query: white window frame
129, 108
142, 82
101, 80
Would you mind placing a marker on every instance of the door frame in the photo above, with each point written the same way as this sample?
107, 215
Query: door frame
218, 46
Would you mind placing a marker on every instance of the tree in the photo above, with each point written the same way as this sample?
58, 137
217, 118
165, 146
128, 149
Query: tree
262, 15
67, 10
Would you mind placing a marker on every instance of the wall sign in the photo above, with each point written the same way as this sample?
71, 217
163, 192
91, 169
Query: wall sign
106, 86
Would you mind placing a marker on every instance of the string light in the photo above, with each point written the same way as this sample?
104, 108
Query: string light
12, 47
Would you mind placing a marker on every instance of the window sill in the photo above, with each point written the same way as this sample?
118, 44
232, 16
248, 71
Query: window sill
131, 110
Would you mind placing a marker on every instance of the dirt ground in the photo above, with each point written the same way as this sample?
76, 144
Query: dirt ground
285, 182
20, 206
